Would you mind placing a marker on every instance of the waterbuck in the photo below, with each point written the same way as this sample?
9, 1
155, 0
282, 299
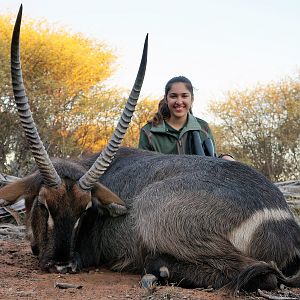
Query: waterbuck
193, 220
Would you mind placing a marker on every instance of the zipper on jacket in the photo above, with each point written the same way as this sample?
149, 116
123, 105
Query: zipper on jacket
181, 150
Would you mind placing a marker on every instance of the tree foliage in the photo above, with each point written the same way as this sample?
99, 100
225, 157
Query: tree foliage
75, 111
95, 118
261, 127
59, 69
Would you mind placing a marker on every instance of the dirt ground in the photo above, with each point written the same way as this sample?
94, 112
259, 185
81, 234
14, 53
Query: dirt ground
20, 278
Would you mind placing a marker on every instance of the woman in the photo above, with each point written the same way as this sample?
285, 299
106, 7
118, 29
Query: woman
173, 129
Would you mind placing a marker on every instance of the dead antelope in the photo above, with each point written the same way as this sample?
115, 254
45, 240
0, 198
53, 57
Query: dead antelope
193, 220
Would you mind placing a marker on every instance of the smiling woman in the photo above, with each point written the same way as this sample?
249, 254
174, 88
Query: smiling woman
174, 129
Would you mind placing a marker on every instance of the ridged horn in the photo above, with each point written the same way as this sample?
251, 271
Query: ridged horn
87, 181
45, 166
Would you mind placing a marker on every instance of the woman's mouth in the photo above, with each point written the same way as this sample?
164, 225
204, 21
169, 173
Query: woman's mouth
179, 108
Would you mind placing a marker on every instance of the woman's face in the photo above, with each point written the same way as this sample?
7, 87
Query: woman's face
179, 100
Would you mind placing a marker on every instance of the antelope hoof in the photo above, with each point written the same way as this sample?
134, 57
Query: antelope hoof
164, 272
148, 281
67, 268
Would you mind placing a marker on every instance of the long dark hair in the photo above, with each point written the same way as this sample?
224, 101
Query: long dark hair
163, 109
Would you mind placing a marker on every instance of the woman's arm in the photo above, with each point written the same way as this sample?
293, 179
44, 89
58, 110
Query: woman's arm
144, 142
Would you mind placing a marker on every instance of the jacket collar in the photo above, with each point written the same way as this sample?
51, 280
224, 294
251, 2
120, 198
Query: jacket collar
192, 124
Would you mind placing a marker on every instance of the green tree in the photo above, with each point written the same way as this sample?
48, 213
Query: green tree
261, 126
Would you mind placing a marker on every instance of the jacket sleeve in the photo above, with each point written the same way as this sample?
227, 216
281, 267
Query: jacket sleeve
144, 142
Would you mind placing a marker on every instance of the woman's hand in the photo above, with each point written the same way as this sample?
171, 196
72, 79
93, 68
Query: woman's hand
227, 157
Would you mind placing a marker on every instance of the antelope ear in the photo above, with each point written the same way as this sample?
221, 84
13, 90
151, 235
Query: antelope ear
13, 191
26, 188
108, 200
105, 195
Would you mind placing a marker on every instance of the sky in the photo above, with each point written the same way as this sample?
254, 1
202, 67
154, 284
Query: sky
220, 45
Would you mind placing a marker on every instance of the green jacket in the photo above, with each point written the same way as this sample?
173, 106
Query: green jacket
165, 139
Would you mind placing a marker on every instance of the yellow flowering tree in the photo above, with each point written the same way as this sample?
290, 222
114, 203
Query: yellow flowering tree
59, 69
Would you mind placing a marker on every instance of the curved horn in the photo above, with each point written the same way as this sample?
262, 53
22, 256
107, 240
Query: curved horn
45, 166
87, 181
